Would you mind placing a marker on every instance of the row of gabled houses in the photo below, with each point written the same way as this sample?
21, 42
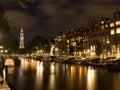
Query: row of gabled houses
82, 40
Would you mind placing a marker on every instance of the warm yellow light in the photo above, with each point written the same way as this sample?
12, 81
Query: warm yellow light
102, 22
93, 48
88, 50
52, 68
67, 41
112, 32
41, 51
108, 40
111, 24
117, 22
1, 50
102, 27
6, 51
56, 49
118, 30
1, 47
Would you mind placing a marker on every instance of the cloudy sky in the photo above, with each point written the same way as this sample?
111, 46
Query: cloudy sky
50, 17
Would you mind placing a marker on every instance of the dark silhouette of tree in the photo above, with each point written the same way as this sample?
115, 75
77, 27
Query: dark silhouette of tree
38, 43
98, 48
6, 38
71, 50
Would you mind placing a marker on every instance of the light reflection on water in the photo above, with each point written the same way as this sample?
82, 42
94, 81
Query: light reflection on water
39, 74
91, 79
36, 75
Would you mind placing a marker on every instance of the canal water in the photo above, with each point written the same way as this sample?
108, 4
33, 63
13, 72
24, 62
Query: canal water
36, 75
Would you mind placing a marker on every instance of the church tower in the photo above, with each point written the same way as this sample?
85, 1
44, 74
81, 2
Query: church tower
21, 44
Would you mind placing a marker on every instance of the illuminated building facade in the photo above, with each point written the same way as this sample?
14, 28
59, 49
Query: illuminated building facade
106, 31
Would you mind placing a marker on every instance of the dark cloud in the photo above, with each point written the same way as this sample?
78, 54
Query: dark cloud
50, 17
21, 19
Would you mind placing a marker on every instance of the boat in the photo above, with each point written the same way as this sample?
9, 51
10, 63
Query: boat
98, 64
94, 62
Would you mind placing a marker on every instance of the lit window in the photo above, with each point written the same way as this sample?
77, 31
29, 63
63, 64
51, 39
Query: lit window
112, 32
92, 48
6, 51
102, 22
67, 41
72, 39
118, 30
111, 24
59, 40
1, 46
79, 38
1, 51
117, 22
113, 48
119, 49
106, 25
74, 43
108, 40
102, 27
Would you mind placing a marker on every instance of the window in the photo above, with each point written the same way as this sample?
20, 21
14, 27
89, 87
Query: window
117, 22
72, 39
112, 32
102, 22
93, 48
78, 38
102, 27
111, 24
106, 25
67, 41
118, 30
113, 48
119, 49
59, 39
74, 43
107, 40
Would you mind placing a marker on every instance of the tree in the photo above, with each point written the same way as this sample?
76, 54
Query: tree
71, 50
37, 43
6, 38
13, 45
98, 48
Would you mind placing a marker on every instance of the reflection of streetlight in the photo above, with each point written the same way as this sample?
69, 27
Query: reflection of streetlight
52, 68
91, 79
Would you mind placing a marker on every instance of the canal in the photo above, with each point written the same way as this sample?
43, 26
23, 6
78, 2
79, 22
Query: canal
36, 75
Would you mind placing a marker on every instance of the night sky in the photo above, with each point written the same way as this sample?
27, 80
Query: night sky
50, 17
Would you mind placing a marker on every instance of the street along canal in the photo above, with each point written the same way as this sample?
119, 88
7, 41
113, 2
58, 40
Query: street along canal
36, 75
